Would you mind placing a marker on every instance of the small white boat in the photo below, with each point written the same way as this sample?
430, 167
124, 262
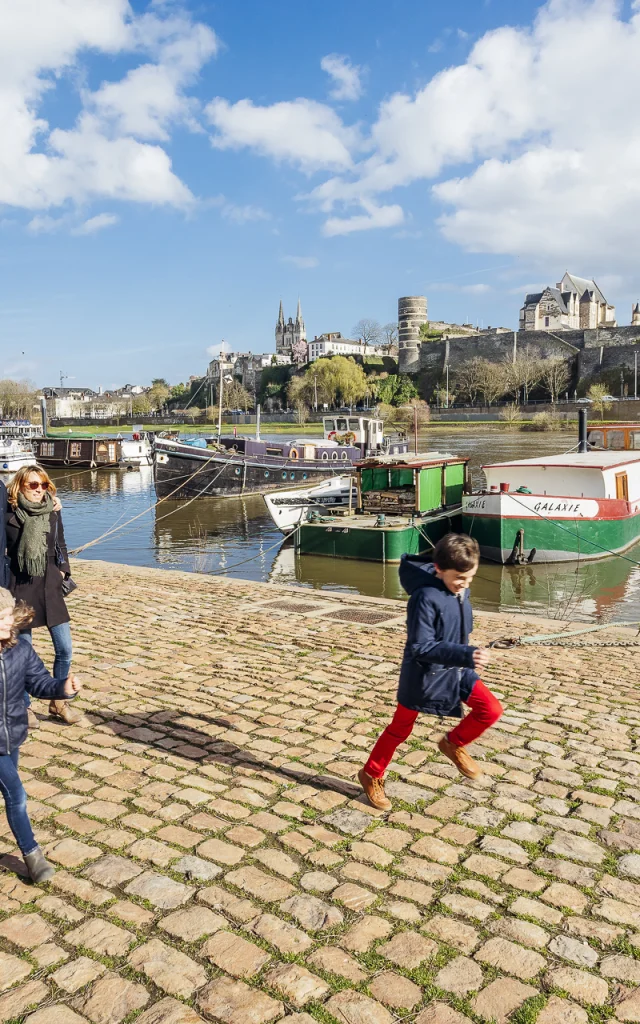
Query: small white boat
136, 452
290, 508
14, 454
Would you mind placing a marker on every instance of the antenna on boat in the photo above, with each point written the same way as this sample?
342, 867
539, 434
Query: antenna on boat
582, 431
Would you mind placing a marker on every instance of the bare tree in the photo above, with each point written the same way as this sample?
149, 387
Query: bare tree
493, 380
523, 373
468, 379
555, 377
390, 334
17, 398
369, 330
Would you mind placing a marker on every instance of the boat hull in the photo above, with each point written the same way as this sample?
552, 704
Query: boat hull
561, 529
364, 541
203, 473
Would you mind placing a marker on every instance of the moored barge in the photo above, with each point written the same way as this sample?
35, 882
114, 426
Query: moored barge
236, 466
404, 506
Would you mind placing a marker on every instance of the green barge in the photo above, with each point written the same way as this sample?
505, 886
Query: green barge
404, 505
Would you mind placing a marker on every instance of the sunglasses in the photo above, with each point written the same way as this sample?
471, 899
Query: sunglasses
34, 484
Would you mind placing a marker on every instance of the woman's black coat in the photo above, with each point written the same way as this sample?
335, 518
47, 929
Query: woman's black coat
42, 593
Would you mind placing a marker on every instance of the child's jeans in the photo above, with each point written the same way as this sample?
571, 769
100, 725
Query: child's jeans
485, 711
61, 639
15, 800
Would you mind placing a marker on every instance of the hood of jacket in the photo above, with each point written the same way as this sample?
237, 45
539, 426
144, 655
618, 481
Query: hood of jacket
415, 572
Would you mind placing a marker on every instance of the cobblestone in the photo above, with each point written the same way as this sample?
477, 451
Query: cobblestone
226, 757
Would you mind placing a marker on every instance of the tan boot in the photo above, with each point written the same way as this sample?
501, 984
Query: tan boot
374, 791
60, 709
33, 722
463, 761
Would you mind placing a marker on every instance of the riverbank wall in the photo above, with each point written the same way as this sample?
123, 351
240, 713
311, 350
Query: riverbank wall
216, 860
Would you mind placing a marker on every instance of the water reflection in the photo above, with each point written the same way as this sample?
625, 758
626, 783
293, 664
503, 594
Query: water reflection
237, 536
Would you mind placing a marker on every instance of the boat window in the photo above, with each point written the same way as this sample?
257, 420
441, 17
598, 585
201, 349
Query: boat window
615, 439
329, 425
354, 425
76, 450
596, 437
634, 437
273, 451
47, 448
342, 425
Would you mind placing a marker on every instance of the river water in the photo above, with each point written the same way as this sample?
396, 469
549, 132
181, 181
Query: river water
236, 537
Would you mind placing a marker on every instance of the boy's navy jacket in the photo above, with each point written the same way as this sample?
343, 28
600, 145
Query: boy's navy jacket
4, 561
21, 669
437, 668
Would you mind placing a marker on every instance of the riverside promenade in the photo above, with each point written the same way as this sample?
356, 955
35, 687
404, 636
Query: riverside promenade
217, 863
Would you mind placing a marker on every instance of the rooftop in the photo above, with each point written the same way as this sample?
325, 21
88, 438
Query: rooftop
574, 460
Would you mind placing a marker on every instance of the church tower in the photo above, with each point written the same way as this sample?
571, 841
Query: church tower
635, 315
290, 332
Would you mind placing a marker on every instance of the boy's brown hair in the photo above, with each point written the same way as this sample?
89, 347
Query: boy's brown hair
456, 551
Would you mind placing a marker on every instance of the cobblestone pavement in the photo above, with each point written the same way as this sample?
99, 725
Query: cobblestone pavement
216, 861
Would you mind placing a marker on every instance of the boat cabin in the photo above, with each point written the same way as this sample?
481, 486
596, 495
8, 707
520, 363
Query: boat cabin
79, 451
619, 437
411, 485
596, 474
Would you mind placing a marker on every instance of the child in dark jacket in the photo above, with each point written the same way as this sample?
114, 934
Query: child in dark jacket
439, 668
22, 670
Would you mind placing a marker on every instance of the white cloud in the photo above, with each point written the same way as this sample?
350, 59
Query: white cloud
346, 77
302, 132
107, 152
542, 131
237, 213
301, 262
215, 350
97, 223
373, 217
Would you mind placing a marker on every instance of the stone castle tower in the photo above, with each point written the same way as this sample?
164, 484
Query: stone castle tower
412, 313
289, 333
635, 315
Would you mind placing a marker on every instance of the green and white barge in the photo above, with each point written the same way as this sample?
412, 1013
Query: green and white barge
560, 508
403, 505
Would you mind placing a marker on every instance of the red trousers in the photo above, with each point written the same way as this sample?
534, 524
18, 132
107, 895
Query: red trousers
485, 711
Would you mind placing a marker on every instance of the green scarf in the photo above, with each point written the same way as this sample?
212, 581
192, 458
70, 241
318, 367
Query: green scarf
32, 545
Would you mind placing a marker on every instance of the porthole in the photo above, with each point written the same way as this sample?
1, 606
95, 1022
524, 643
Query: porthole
304, 476
334, 455
266, 472
344, 456
284, 474
325, 456
238, 471
292, 476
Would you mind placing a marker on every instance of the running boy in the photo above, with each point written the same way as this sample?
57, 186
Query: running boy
21, 669
439, 668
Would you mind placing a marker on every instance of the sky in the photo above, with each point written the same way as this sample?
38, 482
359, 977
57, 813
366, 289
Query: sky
170, 170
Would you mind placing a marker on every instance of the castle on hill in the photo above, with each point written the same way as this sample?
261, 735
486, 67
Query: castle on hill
576, 303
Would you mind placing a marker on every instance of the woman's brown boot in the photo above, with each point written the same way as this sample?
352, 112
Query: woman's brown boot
60, 709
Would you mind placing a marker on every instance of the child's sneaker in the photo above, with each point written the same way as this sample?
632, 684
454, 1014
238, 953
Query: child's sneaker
463, 761
374, 791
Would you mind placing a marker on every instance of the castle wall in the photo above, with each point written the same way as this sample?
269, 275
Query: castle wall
617, 343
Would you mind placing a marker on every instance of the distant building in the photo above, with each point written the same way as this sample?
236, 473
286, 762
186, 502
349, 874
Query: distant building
246, 366
574, 304
130, 391
333, 344
75, 394
289, 333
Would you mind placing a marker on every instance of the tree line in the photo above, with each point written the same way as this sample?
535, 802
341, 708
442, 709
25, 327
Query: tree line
515, 378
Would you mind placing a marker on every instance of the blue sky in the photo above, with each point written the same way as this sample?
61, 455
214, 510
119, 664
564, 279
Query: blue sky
171, 170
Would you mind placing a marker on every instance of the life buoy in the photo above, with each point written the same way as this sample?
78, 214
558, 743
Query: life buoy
331, 436
293, 453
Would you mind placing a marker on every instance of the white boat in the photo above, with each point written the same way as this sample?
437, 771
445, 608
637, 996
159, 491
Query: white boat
136, 452
290, 508
14, 454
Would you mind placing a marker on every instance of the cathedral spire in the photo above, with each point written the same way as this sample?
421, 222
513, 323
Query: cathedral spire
298, 312
281, 314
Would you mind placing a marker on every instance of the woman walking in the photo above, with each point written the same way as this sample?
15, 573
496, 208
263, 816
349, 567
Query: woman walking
38, 566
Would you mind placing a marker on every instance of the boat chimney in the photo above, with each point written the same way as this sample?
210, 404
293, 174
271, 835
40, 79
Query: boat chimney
43, 413
258, 422
582, 431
